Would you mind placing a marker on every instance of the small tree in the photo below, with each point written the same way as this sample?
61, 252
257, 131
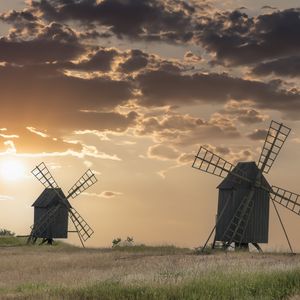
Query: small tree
116, 242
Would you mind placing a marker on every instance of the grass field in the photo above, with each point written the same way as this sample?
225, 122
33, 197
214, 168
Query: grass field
66, 272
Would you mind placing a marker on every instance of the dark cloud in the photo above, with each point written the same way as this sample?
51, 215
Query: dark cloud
137, 60
258, 134
287, 66
101, 60
238, 39
13, 16
152, 19
162, 88
46, 98
54, 42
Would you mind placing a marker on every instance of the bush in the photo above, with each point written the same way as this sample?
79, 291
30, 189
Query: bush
6, 232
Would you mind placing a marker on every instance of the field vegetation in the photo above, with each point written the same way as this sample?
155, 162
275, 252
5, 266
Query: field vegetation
62, 271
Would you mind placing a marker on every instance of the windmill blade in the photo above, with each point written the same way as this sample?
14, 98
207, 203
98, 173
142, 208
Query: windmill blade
277, 135
211, 163
286, 198
83, 183
44, 176
82, 227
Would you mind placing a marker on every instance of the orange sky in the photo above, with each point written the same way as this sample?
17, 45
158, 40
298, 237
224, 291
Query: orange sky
131, 89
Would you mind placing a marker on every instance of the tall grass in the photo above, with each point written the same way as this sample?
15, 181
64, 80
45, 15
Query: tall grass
277, 285
142, 272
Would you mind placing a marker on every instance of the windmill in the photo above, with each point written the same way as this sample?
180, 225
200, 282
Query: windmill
52, 208
245, 194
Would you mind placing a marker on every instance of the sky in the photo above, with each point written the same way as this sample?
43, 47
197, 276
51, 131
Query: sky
132, 89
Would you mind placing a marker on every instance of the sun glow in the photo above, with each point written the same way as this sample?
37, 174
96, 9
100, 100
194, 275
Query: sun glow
12, 170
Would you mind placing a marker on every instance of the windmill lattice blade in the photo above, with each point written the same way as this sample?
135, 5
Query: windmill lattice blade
83, 183
286, 198
44, 176
82, 227
277, 134
211, 163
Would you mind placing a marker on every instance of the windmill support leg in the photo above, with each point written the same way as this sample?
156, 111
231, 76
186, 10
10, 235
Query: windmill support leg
285, 233
43, 241
211, 233
257, 247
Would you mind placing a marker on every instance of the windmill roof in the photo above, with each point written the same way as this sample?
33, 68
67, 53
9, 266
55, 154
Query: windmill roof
251, 171
50, 197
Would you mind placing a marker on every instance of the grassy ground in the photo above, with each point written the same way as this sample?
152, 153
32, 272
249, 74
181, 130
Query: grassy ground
66, 272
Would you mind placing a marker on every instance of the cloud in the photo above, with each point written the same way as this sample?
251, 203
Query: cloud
237, 39
6, 198
104, 194
77, 98
243, 112
149, 19
268, 7
162, 152
100, 60
161, 88
183, 130
55, 42
189, 56
137, 60
258, 134
287, 66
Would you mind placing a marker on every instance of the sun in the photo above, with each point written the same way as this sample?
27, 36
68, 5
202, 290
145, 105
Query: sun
12, 170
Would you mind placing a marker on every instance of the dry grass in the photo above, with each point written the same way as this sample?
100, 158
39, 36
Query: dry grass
56, 272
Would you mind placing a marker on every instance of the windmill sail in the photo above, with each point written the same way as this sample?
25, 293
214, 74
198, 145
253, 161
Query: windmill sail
276, 136
43, 175
211, 163
82, 227
83, 183
288, 199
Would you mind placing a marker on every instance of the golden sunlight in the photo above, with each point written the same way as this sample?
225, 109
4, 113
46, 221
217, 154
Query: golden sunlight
12, 170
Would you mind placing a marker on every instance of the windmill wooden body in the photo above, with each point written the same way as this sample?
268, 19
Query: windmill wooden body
52, 208
245, 194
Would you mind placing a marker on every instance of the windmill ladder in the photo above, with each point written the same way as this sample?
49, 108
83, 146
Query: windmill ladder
236, 228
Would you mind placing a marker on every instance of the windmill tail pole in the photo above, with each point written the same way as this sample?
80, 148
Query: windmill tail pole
281, 223
218, 219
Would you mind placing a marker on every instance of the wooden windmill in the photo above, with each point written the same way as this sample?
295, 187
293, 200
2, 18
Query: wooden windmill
52, 208
245, 194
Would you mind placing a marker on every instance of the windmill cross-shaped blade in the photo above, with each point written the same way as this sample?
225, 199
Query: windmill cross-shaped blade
83, 183
44, 176
211, 163
276, 136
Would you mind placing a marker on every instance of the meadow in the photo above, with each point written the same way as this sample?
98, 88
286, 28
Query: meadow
62, 271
